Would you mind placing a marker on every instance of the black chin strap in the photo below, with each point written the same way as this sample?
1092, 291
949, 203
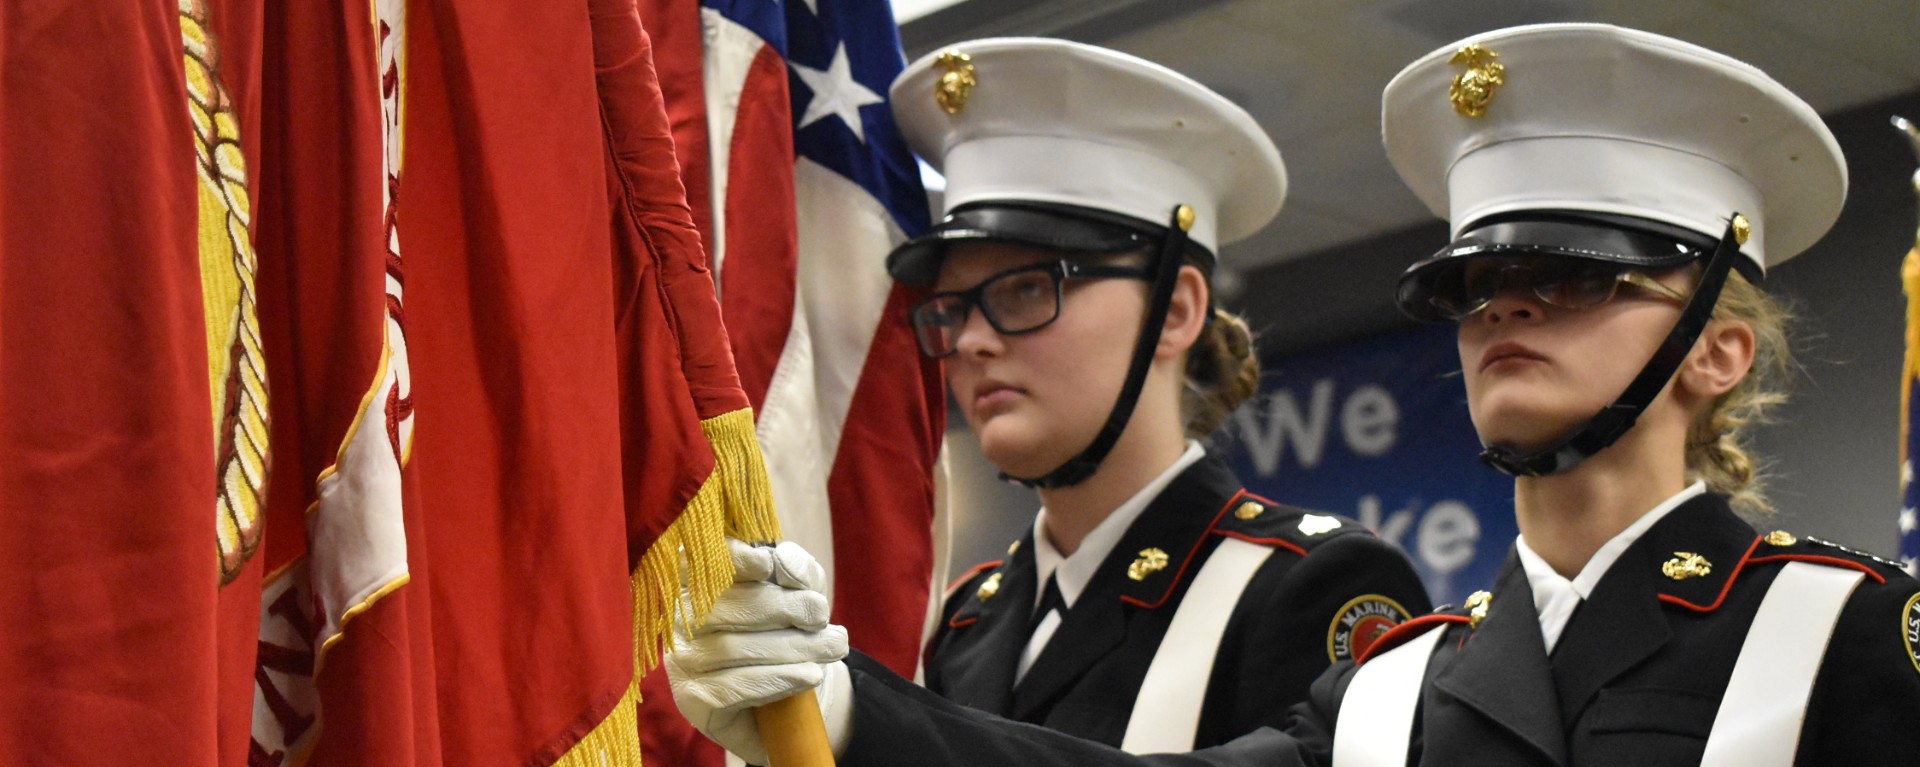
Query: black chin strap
1165, 275
1611, 423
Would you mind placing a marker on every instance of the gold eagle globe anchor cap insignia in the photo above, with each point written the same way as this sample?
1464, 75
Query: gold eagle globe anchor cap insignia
1473, 89
956, 83
1150, 561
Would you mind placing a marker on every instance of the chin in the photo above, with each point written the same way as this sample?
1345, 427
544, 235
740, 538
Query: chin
1526, 429
1017, 451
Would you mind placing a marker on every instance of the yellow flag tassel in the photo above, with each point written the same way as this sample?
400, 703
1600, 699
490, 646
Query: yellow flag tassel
735, 500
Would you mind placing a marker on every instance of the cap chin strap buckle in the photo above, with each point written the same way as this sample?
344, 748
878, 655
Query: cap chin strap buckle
1613, 422
1166, 274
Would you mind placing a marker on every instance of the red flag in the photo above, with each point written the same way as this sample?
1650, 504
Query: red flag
561, 319
345, 666
132, 409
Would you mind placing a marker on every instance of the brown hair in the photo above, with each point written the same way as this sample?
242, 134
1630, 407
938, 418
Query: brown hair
1718, 444
1222, 372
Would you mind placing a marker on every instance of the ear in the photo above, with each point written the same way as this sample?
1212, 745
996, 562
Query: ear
1186, 315
1719, 360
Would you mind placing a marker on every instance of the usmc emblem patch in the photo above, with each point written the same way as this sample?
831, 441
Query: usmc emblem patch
1359, 623
1910, 629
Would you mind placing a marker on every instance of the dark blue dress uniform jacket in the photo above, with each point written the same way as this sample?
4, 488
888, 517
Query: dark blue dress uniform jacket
1635, 680
1276, 642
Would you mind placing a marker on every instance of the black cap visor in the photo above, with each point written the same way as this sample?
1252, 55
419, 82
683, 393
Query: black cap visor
1047, 225
1597, 237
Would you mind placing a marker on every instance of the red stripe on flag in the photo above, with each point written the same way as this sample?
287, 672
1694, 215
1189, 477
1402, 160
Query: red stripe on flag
758, 278
881, 489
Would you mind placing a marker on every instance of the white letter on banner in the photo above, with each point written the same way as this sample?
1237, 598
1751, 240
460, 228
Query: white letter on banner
1369, 420
1392, 528
1282, 419
1447, 535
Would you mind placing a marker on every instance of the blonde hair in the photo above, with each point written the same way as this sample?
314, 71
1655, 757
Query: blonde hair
1718, 443
1222, 372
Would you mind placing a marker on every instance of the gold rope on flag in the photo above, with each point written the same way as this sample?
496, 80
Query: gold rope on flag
236, 371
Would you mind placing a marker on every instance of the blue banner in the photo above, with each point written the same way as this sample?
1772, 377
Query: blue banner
1378, 430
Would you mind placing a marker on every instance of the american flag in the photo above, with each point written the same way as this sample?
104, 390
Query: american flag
803, 184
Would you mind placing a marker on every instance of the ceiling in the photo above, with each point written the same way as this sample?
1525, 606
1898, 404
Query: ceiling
1311, 71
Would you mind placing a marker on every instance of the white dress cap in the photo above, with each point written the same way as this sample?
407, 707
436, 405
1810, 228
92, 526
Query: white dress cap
1054, 121
1597, 118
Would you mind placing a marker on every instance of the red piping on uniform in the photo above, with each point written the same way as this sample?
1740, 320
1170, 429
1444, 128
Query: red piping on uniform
955, 622
1182, 572
968, 575
1280, 542
1817, 559
1399, 635
1728, 587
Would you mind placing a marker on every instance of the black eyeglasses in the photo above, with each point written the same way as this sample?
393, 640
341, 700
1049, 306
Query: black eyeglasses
1019, 300
1564, 283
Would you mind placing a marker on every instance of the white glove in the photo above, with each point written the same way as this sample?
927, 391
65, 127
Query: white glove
767, 638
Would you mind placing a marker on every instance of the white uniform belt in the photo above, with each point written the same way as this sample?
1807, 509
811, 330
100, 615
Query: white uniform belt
1766, 700
1166, 712
1375, 725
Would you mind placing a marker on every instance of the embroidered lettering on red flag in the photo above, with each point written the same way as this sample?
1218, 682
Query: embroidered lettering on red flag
344, 673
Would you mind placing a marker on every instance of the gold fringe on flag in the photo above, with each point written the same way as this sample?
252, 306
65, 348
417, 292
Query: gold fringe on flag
615, 741
736, 500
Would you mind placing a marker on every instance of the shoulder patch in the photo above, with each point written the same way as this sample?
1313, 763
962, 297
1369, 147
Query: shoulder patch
1361, 622
1910, 629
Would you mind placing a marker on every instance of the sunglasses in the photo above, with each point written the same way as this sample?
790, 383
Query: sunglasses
1019, 300
1567, 284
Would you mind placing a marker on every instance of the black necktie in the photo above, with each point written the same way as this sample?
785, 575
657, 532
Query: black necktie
1050, 600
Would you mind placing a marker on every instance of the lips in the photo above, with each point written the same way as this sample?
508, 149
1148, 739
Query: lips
991, 394
1508, 350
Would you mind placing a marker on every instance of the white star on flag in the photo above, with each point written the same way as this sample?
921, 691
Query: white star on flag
835, 92
1906, 473
1906, 521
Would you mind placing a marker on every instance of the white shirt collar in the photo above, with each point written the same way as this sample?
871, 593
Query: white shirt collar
1554, 596
1076, 571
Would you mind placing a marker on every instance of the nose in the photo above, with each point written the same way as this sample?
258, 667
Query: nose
1512, 303
977, 338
